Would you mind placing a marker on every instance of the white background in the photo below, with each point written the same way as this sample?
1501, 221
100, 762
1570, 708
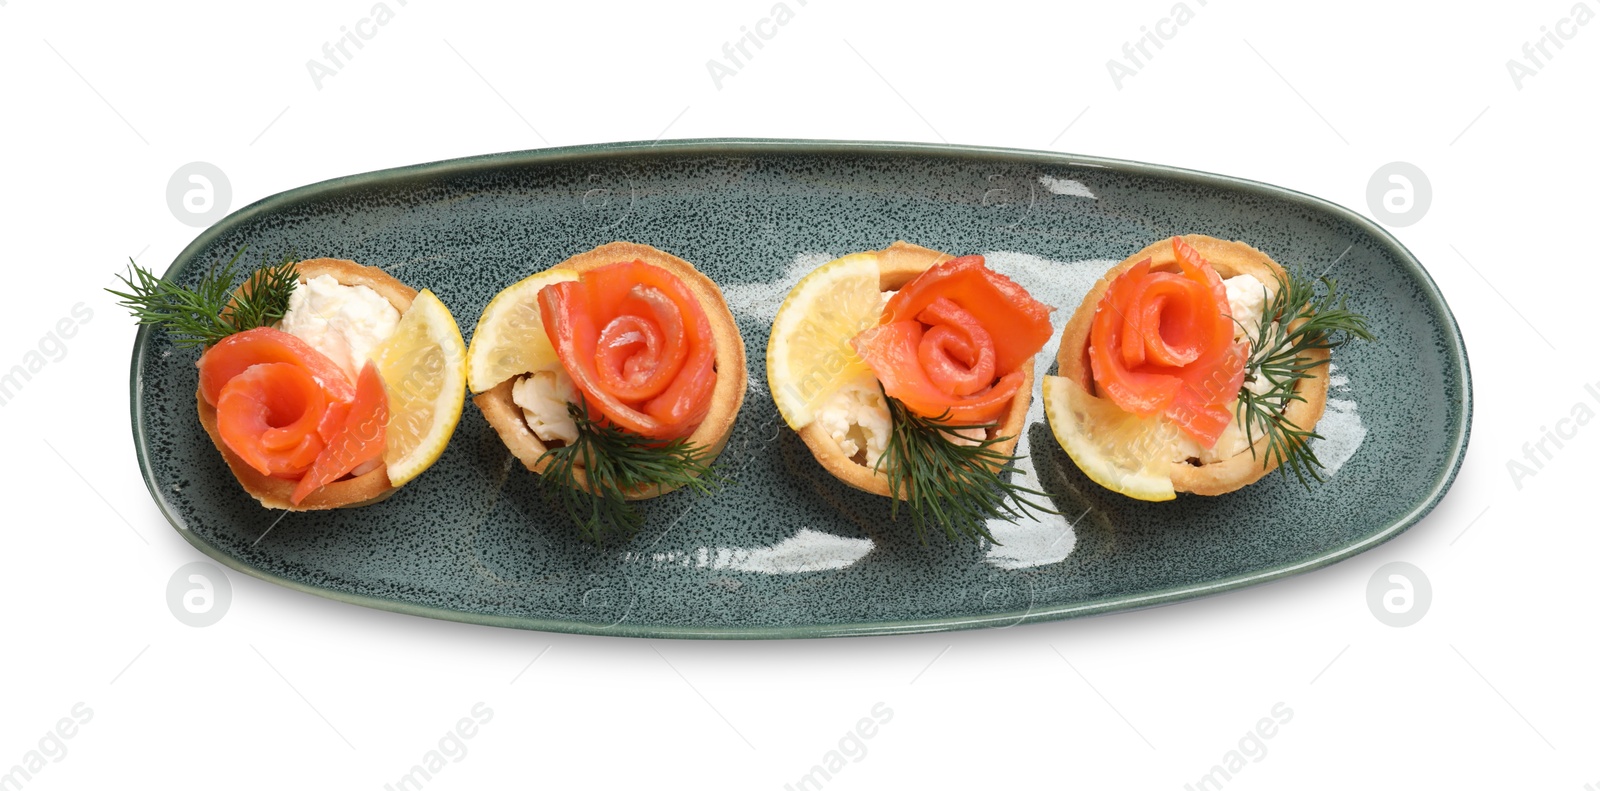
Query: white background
1494, 687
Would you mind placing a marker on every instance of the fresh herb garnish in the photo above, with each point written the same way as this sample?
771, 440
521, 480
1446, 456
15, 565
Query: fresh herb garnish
211, 311
614, 462
958, 487
1296, 322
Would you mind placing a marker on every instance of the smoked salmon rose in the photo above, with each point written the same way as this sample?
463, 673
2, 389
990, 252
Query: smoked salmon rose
637, 344
297, 428
623, 340
913, 342
1196, 365
953, 341
1163, 343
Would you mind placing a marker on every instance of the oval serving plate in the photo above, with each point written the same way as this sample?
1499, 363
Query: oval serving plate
784, 550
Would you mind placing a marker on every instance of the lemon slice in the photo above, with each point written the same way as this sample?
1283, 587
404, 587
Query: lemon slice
423, 365
510, 340
1121, 451
809, 356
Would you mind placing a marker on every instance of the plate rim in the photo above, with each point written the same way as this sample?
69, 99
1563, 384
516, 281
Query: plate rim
1455, 348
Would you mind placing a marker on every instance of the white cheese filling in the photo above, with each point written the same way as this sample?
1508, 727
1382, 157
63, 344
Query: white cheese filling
543, 397
1230, 443
343, 322
1247, 301
857, 417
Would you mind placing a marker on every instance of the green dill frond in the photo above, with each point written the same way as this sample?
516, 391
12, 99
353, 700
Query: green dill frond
203, 315
1296, 322
957, 487
614, 462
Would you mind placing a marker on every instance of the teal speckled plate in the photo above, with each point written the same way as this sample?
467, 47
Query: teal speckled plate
785, 550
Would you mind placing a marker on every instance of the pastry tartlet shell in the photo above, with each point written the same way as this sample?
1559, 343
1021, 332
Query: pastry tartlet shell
1229, 259
899, 264
726, 397
364, 489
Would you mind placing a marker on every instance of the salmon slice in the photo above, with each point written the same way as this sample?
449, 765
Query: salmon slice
952, 341
231, 355
956, 352
993, 299
359, 439
269, 414
637, 344
892, 351
1162, 343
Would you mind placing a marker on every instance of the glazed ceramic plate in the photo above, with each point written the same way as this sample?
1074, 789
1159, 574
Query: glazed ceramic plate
784, 550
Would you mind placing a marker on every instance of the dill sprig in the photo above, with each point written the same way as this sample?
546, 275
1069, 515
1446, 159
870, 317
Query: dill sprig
614, 462
1296, 322
211, 311
958, 487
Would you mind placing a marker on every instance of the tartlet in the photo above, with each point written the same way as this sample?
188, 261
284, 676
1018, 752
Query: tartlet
709, 436
1228, 258
371, 485
899, 264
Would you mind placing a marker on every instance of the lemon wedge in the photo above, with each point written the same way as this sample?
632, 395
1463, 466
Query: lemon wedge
510, 339
1121, 451
423, 365
809, 356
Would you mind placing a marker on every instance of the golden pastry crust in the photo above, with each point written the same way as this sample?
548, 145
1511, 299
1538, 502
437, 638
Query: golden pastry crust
1229, 259
899, 264
726, 397
359, 490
